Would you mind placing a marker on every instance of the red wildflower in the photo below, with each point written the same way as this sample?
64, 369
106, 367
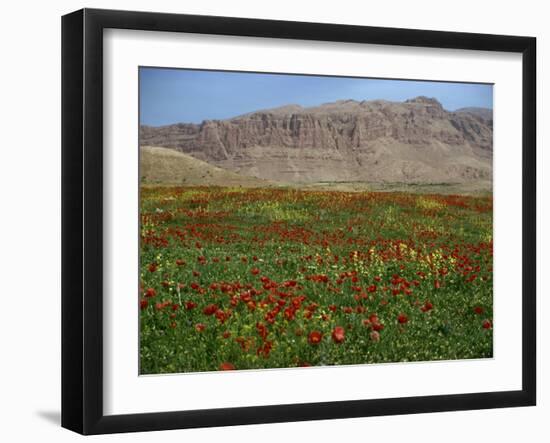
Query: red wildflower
402, 318
210, 309
152, 267
221, 316
314, 337
487, 324
190, 305
289, 313
262, 330
375, 336
428, 306
479, 310
150, 292
200, 327
143, 304
226, 366
265, 349
254, 271
338, 334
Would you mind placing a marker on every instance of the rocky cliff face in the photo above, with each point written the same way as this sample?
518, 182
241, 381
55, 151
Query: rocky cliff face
416, 141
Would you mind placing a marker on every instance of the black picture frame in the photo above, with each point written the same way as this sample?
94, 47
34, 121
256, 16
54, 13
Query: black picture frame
82, 215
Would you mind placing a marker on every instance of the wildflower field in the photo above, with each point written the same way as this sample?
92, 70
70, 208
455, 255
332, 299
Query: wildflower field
235, 278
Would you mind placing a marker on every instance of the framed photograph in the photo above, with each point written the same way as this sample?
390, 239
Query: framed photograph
269, 221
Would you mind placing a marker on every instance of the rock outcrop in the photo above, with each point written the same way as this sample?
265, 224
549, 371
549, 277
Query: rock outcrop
416, 141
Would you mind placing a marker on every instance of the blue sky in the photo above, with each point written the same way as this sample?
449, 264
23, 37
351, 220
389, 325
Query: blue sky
178, 95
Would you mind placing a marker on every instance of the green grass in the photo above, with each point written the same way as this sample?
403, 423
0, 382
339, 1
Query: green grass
330, 259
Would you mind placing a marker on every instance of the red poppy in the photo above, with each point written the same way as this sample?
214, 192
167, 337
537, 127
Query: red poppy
190, 305
262, 330
173, 325
314, 337
143, 304
402, 318
338, 334
290, 313
152, 267
487, 324
200, 327
479, 310
226, 366
221, 316
265, 349
254, 271
180, 262
210, 309
375, 336
428, 306
437, 284
150, 292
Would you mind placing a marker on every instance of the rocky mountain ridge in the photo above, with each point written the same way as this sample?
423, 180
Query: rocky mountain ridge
415, 141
